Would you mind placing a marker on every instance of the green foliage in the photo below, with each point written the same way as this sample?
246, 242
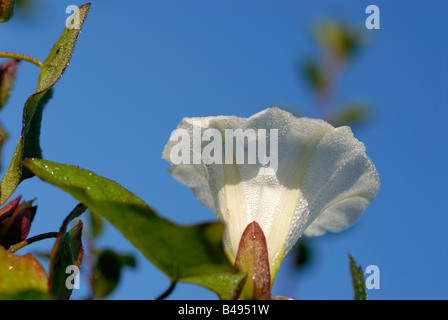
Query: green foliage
340, 39
26, 295
21, 273
338, 42
184, 253
190, 254
67, 251
30, 129
108, 270
108, 266
28, 145
352, 114
313, 75
59, 56
23, 277
359, 286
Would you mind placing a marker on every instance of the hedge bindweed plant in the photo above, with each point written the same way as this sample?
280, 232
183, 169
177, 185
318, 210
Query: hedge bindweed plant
322, 181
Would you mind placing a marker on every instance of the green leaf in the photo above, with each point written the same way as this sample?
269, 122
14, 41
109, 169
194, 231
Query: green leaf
26, 295
108, 269
341, 39
359, 285
27, 146
184, 253
21, 273
227, 285
314, 76
67, 251
31, 130
351, 114
6, 9
59, 56
50, 72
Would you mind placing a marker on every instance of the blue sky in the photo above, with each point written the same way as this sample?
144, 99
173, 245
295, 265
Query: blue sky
141, 66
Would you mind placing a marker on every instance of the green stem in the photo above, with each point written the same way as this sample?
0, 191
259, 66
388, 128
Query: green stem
20, 56
26, 242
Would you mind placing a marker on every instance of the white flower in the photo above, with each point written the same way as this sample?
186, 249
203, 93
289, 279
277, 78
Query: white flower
318, 178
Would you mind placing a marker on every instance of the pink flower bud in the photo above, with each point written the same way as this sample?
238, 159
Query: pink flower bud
15, 221
8, 72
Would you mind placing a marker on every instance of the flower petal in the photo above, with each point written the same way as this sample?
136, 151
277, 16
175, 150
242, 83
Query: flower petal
195, 178
318, 178
338, 183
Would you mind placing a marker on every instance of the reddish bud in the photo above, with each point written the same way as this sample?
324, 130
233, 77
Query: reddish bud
6, 9
252, 257
15, 221
8, 72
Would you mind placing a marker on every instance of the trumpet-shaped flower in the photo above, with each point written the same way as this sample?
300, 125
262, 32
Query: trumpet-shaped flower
316, 178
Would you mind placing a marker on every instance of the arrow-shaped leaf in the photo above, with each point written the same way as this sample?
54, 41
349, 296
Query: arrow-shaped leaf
184, 253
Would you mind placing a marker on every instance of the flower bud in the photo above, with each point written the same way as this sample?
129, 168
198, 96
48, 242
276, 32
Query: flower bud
6, 9
15, 221
8, 72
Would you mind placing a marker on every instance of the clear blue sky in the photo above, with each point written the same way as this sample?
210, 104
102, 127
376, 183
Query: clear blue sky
140, 66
